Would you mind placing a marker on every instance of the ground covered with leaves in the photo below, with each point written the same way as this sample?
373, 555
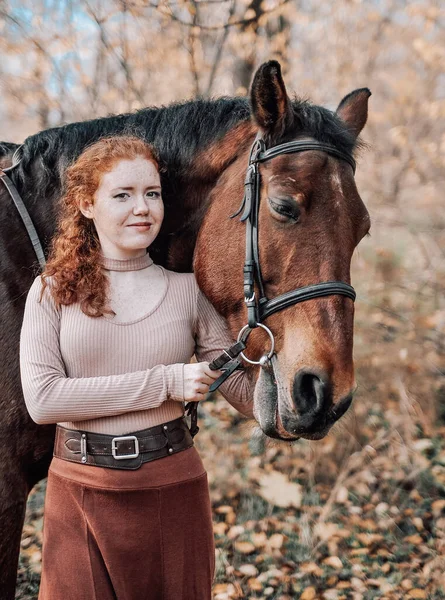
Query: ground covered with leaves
359, 515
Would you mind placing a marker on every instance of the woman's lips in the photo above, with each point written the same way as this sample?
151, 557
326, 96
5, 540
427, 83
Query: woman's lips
144, 227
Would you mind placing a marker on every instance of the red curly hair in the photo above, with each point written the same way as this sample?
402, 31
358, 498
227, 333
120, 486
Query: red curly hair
74, 263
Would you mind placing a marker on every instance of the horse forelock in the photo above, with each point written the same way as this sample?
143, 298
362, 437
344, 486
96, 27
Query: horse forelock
323, 125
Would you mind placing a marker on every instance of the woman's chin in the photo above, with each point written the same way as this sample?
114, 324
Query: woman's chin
139, 241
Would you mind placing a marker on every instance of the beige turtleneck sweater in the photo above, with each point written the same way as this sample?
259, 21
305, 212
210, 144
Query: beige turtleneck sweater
122, 373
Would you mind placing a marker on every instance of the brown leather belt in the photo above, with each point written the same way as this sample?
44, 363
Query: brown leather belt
122, 451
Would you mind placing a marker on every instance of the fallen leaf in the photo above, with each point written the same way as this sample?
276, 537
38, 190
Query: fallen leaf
220, 588
220, 528
223, 510
244, 547
415, 539
276, 541
333, 561
248, 570
276, 488
417, 593
255, 585
308, 594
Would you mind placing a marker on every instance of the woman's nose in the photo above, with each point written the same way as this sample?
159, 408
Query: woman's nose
141, 206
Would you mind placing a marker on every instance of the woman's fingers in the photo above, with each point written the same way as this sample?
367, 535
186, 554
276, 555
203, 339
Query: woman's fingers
202, 388
197, 397
197, 379
209, 373
206, 379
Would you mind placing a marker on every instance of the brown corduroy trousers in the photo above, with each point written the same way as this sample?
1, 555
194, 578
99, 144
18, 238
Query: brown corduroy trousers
128, 535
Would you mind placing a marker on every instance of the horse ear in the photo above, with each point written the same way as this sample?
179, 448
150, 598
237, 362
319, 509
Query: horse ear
353, 110
271, 106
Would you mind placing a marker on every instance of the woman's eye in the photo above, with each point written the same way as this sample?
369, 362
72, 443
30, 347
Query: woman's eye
121, 196
285, 209
154, 194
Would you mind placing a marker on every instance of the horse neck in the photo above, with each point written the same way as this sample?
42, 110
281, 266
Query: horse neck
185, 212
195, 156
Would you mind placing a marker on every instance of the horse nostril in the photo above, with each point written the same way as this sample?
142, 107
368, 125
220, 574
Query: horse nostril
311, 392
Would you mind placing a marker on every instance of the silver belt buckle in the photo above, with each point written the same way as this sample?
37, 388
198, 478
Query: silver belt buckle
122, 439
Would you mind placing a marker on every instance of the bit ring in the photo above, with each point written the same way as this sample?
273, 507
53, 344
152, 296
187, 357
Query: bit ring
268, 356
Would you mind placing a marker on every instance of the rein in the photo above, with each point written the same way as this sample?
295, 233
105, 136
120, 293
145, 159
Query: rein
22, 210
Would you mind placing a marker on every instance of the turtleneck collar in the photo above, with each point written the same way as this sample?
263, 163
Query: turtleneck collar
126, 264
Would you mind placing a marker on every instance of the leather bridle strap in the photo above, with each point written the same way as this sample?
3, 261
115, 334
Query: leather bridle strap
20, 205
259, 310
24, 214
250, 207
304, 146
309, 292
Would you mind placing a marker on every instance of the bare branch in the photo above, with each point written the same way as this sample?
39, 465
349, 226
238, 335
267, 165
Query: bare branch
219, 51
164, 10
192, 49
33, 40
121, 59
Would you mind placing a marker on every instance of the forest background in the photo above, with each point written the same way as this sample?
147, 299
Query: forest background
361, 514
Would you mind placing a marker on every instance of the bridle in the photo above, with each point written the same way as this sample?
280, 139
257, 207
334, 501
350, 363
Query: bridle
259, 309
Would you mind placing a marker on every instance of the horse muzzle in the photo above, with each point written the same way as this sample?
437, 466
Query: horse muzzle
307, 411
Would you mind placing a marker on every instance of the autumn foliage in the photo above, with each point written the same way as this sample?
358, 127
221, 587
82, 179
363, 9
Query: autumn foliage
361, 514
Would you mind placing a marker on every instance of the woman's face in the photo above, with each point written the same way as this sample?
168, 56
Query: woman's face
127, 209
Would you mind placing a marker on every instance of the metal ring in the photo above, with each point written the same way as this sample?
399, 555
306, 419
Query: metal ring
272, 342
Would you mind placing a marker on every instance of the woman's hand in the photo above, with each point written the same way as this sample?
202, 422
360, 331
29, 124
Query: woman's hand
197, 380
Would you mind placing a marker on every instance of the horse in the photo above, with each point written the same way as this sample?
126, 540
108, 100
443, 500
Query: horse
309, 220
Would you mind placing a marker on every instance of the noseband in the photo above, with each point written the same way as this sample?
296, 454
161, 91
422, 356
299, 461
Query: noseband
259, 309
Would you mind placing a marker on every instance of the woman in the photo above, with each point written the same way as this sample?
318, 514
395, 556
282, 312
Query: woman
105, 347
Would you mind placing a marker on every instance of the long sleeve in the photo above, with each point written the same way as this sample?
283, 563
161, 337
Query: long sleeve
212, 337
52, 397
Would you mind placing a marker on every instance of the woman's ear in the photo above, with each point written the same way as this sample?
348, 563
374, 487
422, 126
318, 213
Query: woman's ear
86, 208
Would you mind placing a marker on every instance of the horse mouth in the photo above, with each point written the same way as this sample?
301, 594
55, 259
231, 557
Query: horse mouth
322, 427
279, 422
281, 433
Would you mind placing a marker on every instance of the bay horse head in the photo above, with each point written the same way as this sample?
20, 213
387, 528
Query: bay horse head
309, 220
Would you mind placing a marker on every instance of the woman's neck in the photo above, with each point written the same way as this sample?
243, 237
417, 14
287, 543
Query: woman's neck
126, 264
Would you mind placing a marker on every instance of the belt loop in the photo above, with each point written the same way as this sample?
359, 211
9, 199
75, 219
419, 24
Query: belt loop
169, 444
83, 447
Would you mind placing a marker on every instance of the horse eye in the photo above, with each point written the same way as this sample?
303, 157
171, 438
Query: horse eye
285, 208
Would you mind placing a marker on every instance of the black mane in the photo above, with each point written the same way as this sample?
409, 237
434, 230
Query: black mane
7, 149
178, 132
